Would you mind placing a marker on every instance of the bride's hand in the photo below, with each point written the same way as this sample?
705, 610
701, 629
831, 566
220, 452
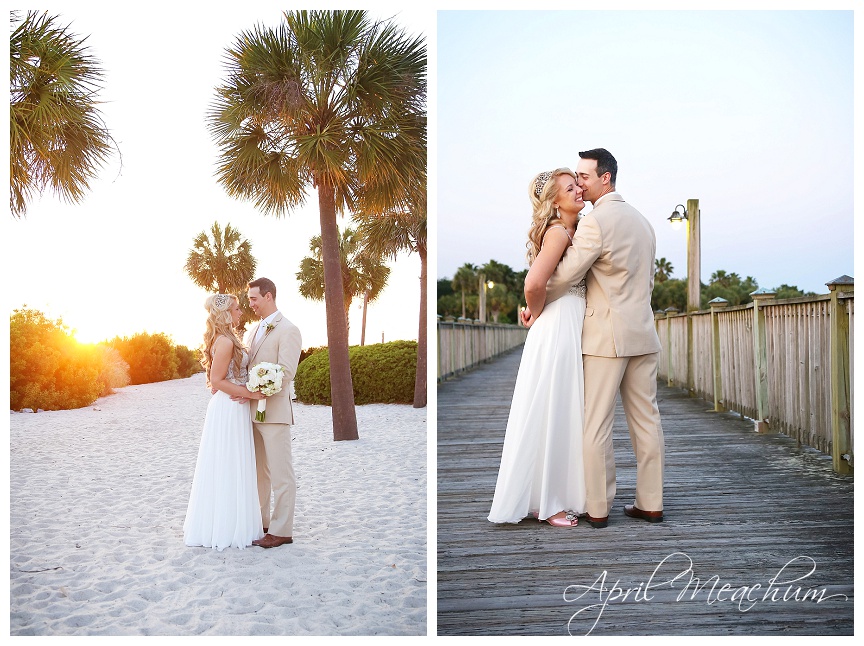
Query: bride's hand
256, 395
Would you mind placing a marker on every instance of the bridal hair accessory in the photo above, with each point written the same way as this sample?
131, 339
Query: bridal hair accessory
540, 182
221, 300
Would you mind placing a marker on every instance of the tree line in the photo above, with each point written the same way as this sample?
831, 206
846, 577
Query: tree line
50, 370
459, 296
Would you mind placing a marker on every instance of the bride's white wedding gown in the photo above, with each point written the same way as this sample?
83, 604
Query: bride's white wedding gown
223, 508
541, 463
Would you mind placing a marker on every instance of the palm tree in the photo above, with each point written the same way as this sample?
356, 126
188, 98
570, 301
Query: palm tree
363, 274
465, 280
331, 101
501, 298
721, 278
223, 262
57, 135
386, 235
662, 270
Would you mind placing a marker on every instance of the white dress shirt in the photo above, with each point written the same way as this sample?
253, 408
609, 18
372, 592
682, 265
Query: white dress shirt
262, 328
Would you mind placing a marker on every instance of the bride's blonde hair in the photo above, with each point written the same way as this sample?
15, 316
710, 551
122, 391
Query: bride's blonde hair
220, 323
543, 191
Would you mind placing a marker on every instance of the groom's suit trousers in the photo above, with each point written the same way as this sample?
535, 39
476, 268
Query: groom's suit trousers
275, 472
636, 379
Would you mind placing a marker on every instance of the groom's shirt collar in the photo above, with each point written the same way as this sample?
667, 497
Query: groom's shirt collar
262, 327
603, 198
270, 318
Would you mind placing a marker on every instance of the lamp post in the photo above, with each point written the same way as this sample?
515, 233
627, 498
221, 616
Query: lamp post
481, 296
484, 284
691, 216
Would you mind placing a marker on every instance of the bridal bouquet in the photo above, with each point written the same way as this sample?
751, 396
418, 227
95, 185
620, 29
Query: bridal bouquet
265, 378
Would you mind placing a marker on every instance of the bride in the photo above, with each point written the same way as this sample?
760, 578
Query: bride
541, 471
223, 506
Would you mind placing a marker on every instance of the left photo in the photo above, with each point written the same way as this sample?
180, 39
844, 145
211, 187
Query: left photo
218, 348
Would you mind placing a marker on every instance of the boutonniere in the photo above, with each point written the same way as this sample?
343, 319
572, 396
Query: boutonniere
267, 328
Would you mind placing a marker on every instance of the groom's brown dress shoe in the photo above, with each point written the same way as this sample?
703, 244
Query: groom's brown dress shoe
597, 523
270, 540
651, 516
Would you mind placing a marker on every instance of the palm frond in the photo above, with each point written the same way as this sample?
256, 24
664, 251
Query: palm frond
327, 98
57, 135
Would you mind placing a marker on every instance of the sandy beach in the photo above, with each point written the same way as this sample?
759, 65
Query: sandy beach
97, 503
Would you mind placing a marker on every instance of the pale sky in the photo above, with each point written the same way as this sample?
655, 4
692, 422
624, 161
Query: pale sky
751, 112
113, 264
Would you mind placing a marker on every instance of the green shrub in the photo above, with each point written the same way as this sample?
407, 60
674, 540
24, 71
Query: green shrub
188, 363
382, 373
48, 368
151, 357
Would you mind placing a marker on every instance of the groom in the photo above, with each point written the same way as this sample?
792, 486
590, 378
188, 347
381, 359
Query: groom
274, 340
615, 245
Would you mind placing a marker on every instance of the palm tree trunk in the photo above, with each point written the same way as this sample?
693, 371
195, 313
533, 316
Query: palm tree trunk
420, 376
341, 387
363, 328
463, 302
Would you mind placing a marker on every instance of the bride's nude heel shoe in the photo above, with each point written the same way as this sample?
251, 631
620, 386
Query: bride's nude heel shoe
568, 520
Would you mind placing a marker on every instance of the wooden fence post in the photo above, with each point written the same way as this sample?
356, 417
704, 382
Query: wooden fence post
760, 357
669, 312
438, 349
716, 305
659, 315
841, 427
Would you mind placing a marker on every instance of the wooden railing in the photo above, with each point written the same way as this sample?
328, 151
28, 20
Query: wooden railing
463, 344
787, 364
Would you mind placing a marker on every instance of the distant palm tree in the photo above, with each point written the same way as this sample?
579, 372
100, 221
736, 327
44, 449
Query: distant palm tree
404, 230
500, 298
721, 278
223, 262
363, 274
662, 270
57, 135
465, 280
331, 101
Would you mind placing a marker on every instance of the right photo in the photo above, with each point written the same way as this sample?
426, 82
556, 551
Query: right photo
645, 322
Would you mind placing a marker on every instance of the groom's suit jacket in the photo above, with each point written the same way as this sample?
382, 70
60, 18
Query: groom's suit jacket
613, 248
280, 345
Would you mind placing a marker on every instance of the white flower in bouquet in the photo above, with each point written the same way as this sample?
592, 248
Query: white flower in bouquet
265, 378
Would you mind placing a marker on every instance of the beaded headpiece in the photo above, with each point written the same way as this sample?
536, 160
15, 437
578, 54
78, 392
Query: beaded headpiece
221, 300
540, 182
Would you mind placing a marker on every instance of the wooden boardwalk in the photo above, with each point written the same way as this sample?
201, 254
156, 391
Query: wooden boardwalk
743, 508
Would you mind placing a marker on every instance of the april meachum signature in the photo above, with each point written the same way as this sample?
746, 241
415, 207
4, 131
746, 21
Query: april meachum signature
746, 596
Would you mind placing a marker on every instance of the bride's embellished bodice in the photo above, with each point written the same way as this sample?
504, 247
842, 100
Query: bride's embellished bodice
241, 378
244, 370
580, 289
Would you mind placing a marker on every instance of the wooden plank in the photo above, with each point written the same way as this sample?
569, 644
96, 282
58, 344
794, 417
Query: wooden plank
739, 504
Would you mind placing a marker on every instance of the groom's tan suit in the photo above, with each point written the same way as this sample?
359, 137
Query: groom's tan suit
614, 248
281, 344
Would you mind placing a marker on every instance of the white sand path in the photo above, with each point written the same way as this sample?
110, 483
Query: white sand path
97, 503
